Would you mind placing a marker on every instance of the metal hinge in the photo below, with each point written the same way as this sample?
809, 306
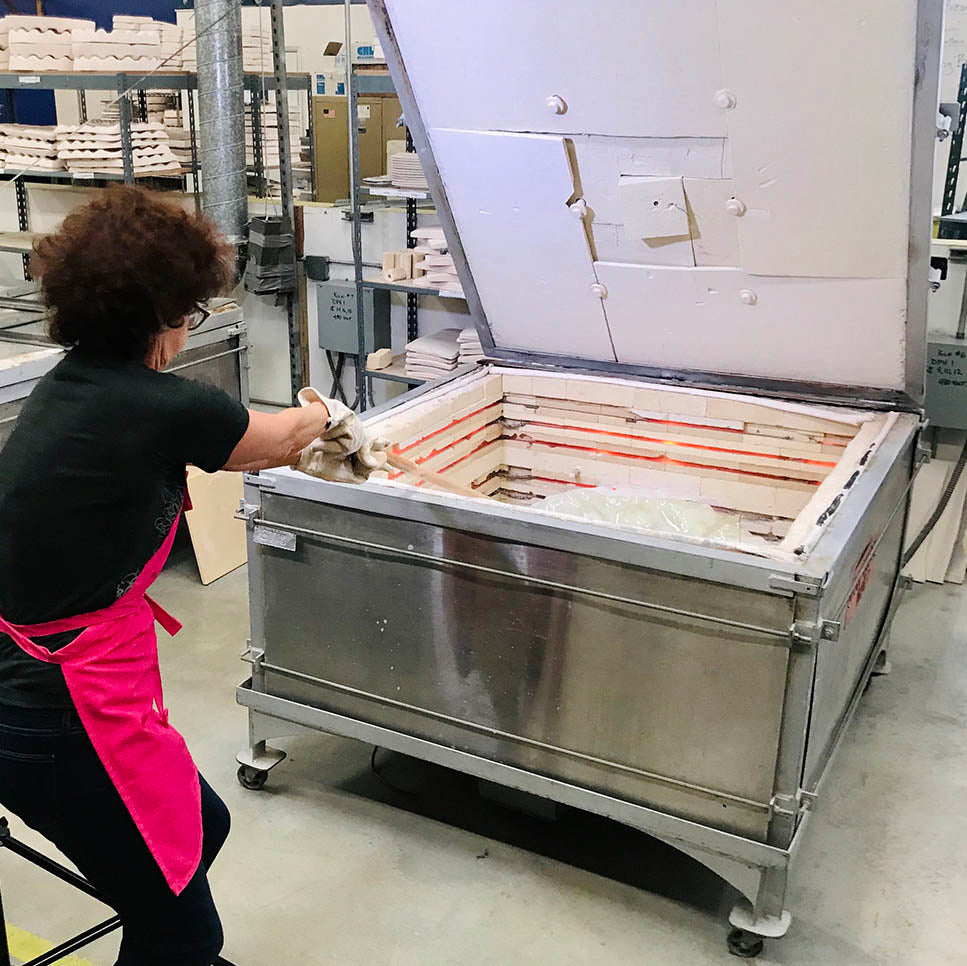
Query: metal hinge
804, 586
792, 805
246, 511
253, 655
786, 805
948, 119
812, 632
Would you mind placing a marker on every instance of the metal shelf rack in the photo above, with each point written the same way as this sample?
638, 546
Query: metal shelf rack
363, 79
395, 372
410, 288
82, 81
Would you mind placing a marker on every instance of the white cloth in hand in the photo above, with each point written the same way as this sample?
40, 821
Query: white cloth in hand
344, 453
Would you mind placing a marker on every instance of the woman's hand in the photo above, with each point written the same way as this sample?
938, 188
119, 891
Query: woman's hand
343, 452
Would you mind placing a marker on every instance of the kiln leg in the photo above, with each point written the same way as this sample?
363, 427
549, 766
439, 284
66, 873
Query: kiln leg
258, 759
883, 665
255, 763
752, 925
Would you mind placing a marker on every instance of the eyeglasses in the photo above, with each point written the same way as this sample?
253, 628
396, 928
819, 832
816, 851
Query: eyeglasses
195, 319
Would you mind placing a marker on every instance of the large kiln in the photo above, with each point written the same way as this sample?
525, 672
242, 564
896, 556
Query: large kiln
694, 239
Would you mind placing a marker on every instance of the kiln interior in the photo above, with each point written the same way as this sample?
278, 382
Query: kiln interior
775, 471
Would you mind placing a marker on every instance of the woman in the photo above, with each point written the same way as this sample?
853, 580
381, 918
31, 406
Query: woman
92, 485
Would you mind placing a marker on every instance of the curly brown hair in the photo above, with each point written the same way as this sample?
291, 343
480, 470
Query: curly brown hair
125, 265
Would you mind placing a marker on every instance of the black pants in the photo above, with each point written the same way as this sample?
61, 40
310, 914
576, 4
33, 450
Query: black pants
52, 779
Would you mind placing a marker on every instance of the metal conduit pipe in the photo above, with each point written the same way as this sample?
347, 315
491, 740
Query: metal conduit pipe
221, 115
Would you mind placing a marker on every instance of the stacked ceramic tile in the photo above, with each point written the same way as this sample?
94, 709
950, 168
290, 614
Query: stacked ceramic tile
171, 41
432, 356
32, 147
440, 272
430, 241
159, 103
189, 49
257, 49
407, 172
37, 44
169, 36
134, 51
471, 351
96, 147
127, 21
179, 137
270, 142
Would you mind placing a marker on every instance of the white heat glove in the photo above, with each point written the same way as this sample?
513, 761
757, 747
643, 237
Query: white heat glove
344, 452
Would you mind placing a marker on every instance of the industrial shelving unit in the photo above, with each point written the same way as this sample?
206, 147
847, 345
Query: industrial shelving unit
361, 81
255, 84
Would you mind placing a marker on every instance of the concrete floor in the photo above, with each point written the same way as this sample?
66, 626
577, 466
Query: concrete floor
327, 865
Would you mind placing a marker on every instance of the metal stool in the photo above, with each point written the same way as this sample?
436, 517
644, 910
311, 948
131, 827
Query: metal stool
7, 841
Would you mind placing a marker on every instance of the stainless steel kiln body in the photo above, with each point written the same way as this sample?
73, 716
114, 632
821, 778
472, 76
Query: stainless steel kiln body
218, 355
17, 381
695, 694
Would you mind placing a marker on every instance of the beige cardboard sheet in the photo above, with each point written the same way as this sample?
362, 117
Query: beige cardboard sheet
217, 537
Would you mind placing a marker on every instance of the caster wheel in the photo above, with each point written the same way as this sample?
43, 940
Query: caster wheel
745, 945
252, 778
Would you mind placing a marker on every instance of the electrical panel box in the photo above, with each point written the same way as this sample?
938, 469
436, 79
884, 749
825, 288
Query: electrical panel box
946, 381
338, 329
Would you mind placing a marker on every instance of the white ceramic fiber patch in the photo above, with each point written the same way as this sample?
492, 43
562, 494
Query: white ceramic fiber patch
821, 135
825, 330
510, 194
604, 70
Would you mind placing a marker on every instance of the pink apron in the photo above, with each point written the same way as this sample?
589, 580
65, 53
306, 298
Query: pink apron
111, 670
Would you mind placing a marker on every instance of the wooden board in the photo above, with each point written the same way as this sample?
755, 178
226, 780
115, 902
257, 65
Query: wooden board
509, 194
944, 535
798, 328
957, 569
927, 488
217, 537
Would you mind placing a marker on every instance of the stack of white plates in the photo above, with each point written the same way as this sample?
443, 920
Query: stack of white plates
432, 356
96, 147
30, 147
470, 348
407, 172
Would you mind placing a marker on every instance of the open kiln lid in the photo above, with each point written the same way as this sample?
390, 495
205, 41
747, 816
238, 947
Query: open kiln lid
726, 191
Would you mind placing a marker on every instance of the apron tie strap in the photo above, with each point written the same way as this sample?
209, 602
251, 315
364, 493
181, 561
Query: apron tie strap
169, 623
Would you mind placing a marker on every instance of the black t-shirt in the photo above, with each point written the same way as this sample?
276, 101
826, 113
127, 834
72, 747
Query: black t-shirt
91, 480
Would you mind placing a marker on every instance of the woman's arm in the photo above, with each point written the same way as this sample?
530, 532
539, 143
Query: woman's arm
277, 439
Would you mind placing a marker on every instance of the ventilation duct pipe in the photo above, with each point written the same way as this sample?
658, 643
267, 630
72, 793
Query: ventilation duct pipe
221, 115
